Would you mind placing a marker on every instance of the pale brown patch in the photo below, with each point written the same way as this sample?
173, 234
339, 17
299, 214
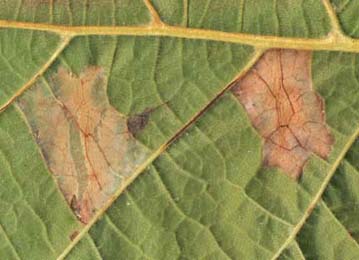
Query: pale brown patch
84, 140
278, 96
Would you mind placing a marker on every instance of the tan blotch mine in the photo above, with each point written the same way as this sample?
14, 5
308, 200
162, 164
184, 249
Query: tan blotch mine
84, 140
278, 95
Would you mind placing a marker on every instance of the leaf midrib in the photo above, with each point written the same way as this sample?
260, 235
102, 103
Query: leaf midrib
332, 42
336, 40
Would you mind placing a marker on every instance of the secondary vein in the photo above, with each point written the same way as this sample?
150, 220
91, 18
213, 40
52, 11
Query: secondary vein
318, 195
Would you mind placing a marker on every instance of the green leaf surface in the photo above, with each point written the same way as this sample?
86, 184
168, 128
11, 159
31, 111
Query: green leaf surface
72, 12
347, 13
193, 184
284, 18
342, 197
23, 53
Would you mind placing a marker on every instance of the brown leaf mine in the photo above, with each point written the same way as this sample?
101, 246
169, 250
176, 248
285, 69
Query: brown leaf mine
84, 140
278, 95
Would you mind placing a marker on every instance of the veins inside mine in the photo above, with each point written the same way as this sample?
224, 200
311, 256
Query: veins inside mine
279, 98
84, 140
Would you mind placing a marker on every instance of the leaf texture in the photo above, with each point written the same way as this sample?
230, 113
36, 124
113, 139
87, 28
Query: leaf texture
148, 91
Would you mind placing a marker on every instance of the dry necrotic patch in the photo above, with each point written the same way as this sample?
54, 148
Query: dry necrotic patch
84, 140
278, 95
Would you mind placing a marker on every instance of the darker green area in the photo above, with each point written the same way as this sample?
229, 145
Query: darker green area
342, 195
353, 155
323, 238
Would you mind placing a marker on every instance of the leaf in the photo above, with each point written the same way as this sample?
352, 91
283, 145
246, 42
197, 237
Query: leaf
144, 90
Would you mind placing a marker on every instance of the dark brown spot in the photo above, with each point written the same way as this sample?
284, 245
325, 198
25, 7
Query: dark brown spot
137, 123
74, 235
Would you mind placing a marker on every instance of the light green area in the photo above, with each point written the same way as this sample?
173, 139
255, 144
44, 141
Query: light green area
207, 196
294, 18
22, 54
347, 11
74, 12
